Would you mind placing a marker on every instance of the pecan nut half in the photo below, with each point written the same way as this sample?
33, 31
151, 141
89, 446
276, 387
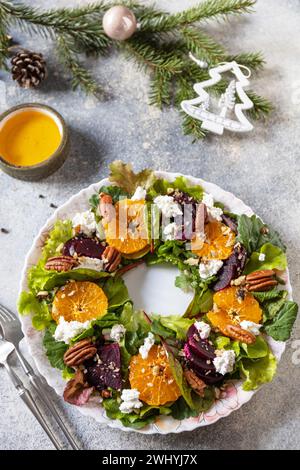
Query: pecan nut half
262, 280
238, 333
195, 383
112, 257
80, 352
61, 263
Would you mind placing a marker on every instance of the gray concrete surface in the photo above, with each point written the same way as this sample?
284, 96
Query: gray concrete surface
262, 167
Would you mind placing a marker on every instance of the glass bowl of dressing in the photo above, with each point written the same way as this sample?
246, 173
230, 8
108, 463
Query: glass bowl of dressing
34, 141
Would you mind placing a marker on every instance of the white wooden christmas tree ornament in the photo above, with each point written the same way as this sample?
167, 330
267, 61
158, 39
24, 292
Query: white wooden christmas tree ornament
199, 108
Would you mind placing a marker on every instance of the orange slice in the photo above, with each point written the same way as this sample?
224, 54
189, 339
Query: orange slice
230, 309
80, 301
128, 232
218, 244
153, 378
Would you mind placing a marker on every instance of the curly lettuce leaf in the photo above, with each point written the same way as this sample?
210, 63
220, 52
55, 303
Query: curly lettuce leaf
174, 324
29, 304
123, 176
137, 327
62, 232
132, 420
258, 371
281, 325
161, 186
275, 258
253, 234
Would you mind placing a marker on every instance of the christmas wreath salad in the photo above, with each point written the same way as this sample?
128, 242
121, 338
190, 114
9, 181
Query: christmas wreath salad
139, 365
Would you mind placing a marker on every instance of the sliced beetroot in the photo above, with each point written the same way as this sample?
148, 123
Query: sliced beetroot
197, 362
226, 274
201, 347
232, 267
230, 222
106, 371
83, 246
210, 378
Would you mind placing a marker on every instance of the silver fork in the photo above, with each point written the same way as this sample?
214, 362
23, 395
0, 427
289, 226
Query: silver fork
12, 332
6, 348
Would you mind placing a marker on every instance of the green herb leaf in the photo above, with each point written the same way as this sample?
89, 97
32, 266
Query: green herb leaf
116, 292
258, 371
253, 234
55, 350
275, 258
281, 327
161, 186
201, 303
177, 372
256, 350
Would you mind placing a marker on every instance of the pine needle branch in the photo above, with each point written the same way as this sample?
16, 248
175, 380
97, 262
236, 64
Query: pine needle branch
203, 11
202, 45
254, 60
4, 39
160, 89
81, 77
262, 107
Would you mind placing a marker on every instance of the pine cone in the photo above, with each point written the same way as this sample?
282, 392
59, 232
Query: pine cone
28, 68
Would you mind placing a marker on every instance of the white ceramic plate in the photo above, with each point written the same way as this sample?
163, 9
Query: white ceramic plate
171, 301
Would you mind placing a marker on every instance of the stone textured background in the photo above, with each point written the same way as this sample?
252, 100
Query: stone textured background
262, 168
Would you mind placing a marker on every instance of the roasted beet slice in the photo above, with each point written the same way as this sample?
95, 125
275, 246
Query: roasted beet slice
232, 267
83, 246
227, 273
197, 362
210, 378
230, 222
106, 371
201, 347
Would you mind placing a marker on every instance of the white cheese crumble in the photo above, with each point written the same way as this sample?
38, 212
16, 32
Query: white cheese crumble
130, 400
168, 206
192, 261
139, 194
213, 212
251, 326
224, 361
169, 231
66, 330
117, 332
261, 257
148, 343
203, 329
90, 263
209, 267
86, 221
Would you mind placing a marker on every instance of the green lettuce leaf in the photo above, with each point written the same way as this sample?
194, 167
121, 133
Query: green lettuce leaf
273, 294
281, 325
60, 234
116, 292
137, 327
184, 388
256, 350
132, 420
253, 234
201, 303
175, 324
223, 342
123, 176
115, 192
55, 350
161, 186
258, 371
29, 304
181, 410
275, 258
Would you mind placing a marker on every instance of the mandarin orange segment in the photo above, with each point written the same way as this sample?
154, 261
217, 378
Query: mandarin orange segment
153, 378
80, 301
218, 244
231, 309
128, 232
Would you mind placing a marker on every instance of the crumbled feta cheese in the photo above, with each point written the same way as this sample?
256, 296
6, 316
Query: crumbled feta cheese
203, 329
169, 231
130, 400
139, 194
66, 330
86, 221
117, 332
224, 361
148, 343
213, 212
251, 327
209, 267
192, 261
168, 206
261, 257
90, 263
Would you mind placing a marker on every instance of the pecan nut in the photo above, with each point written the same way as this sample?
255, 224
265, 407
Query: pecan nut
80, 352
195, 383
262, 280
238, 333
61, 263
112, 258
106, 208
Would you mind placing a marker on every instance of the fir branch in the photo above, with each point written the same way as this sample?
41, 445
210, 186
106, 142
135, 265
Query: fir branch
81, 77
202, 45
201, 12
254, 60
160, 89
262, 107
4, 39
191, 126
